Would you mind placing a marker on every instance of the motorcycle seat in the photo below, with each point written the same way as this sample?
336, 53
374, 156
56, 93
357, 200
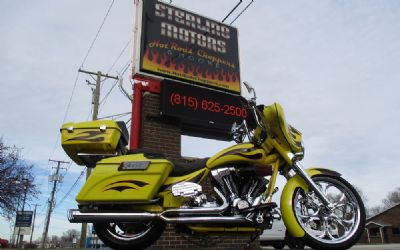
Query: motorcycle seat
183, 168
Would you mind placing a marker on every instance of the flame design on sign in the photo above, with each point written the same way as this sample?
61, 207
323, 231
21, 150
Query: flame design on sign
162, 62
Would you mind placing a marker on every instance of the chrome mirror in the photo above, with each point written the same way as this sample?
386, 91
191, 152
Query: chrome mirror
251, 90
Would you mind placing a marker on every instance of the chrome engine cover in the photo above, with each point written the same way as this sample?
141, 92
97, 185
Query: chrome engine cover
186, 189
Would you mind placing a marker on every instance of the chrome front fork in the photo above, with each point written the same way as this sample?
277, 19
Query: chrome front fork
303, 174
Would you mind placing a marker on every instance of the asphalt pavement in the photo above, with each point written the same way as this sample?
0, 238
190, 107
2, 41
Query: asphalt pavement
356, 247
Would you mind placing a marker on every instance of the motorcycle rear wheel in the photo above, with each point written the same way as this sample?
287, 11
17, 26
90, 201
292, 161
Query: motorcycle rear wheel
126, 236
337, 228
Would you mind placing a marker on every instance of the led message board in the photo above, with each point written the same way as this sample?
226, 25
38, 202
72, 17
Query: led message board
182, 45
204, 112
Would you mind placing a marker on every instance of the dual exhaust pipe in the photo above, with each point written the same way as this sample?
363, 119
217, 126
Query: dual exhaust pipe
76, 216
207, 215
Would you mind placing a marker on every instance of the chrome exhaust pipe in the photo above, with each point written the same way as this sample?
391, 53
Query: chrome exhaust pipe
207, 220
203, 210
76, 216
180, 215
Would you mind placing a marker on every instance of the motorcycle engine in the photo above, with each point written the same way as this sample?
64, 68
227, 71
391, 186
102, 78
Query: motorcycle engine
241, 185
194, 192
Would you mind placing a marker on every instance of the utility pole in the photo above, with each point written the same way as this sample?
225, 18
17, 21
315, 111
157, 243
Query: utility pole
54, 178
96, 104
33, 224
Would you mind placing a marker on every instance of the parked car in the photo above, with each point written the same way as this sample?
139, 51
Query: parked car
3, 243
278, 237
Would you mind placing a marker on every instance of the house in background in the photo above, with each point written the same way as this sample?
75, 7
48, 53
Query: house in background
383, 227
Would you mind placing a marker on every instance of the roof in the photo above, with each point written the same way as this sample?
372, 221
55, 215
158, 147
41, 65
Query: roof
384, 211
378, 224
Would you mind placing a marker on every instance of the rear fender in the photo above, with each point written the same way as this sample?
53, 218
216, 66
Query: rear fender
287, 199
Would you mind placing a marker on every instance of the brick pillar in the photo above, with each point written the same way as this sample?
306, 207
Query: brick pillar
161, 136
164, 136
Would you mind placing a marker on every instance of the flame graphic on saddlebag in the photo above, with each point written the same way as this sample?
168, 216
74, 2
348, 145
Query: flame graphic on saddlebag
124, 185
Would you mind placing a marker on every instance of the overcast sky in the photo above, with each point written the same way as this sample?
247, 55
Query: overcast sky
333, 65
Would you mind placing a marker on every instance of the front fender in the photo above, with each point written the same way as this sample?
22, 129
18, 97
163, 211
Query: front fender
287, 199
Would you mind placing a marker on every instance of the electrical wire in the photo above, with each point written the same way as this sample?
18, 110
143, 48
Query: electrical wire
103, 101
115, 116
71, 188
232, 10
97, 35
245, 8
119, 56
77, 74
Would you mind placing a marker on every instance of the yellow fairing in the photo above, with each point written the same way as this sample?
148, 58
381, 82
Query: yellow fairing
137, 179
282, 136
240, 153
287, 199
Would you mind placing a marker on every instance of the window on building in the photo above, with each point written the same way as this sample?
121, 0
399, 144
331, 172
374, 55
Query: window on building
374, 231
395, 230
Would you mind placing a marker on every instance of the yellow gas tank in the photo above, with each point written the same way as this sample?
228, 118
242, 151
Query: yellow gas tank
240, 153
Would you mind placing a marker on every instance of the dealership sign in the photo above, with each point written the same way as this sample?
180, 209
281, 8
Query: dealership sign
24, 218
202, 112
179, 44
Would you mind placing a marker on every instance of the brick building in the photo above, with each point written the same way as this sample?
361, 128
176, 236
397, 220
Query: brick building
383, 227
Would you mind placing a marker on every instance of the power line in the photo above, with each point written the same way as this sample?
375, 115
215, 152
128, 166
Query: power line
119, 56
113, 117
124, 69
102, 102
232, 10
70, 189
97, 35
245, 8
77, 74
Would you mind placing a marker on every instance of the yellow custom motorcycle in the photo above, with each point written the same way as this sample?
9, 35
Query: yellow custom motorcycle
131, 196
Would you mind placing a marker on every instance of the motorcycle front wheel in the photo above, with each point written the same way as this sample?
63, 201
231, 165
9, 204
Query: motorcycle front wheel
126, 236
337, 227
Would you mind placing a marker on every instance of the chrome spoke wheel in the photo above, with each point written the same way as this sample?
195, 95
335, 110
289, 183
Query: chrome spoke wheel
330, 225
129, 231
129, 235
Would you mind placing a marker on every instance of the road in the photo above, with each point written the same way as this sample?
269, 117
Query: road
363, 247
356, 247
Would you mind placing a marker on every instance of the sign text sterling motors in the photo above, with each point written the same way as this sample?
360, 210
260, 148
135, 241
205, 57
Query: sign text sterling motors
183, 45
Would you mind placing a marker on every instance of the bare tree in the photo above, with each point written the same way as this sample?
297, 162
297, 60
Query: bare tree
362, 194
16, 180
392, 198
68, 237
374, 210
55, 240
